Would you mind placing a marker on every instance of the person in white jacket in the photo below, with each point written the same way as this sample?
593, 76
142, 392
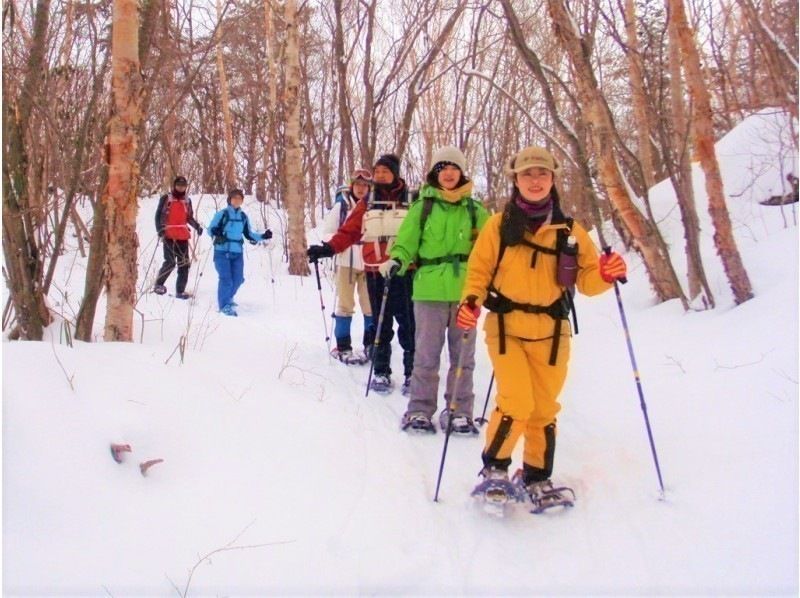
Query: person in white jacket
350, 274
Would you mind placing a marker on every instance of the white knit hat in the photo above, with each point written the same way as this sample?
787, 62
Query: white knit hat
450, 154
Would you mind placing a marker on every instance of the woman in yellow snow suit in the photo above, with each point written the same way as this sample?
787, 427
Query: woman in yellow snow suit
527, 329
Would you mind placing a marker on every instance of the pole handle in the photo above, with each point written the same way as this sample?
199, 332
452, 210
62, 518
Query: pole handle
607, 251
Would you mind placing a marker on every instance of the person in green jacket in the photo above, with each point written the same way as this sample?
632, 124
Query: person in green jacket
437, 235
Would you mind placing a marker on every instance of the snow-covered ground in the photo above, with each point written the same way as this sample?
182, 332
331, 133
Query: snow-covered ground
279, 477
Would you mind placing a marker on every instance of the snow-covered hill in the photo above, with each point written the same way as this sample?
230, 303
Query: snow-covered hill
280, 478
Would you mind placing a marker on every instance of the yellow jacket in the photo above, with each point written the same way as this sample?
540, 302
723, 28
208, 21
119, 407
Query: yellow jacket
519, 282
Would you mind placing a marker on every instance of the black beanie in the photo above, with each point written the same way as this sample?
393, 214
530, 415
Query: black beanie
391, 162
179, 180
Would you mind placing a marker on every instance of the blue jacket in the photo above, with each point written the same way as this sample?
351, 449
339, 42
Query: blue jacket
229, 228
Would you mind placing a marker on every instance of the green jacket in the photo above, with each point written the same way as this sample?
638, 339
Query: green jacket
441, 250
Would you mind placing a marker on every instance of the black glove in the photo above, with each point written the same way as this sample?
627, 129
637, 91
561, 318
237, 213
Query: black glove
161, 234
267, 235
315, 252
199, 231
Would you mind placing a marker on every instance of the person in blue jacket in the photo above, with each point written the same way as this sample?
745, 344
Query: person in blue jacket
229, 228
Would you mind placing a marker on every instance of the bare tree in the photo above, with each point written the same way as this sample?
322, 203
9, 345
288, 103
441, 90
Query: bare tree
704, 145
120, 195
295, 204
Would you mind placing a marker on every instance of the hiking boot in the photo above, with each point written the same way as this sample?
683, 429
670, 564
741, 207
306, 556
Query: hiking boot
381, 383
496, 489
406, 388
417, 422
545, 496
229, 311
462, 424
159, 289
183, 295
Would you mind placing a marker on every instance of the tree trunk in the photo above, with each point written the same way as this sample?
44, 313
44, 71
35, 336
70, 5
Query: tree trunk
23, 256
681, 175
230, 166
598, 115
295, 206
635, 68
346, 143
703, 128
120, 195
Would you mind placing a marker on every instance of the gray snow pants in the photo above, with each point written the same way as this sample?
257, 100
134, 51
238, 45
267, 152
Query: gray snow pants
435, 321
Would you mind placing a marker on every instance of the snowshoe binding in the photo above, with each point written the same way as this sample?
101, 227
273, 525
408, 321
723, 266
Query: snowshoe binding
160, 289
381, 383
183, 295
406, 388
496, 491
544, 496
417, 423
349, 357
462, 424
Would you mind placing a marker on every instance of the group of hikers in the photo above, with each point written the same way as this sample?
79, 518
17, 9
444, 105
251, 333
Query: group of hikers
229, 228
431, 265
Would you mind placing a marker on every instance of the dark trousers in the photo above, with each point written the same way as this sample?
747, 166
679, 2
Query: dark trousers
175, 252
399, 308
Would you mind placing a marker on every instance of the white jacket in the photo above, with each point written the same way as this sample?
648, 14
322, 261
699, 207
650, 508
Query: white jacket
352, 256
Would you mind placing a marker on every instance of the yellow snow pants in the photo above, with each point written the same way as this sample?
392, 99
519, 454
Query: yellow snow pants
527, 399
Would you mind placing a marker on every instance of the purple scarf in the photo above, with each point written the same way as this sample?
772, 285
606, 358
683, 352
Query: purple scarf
536, 213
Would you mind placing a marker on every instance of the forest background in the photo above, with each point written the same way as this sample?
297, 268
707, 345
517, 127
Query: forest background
104, 102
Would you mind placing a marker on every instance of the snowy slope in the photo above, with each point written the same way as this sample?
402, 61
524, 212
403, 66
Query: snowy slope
277, 467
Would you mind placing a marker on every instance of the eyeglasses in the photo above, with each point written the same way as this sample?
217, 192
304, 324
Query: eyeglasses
362, 173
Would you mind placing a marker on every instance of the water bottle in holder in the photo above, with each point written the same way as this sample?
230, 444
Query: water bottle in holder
567, 269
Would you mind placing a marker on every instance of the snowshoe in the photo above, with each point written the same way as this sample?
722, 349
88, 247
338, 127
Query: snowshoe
381, 383
160, 289
417, 423
496, 491
406, 388
183, 295
228, 310
544, 495
349, 357
462, 424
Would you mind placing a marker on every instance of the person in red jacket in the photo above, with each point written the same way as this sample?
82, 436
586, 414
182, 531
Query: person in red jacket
389, 193
174, 215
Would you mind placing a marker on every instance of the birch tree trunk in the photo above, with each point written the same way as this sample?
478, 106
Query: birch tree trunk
681, 175
704, 144
121, 191
598, 115
295, 204
23, 257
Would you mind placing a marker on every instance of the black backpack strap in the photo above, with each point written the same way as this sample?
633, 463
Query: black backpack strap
427, 208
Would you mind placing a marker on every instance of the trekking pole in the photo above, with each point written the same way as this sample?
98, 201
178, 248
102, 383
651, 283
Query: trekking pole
482, 419
452, 408
607, 251
377, 339
150, 264
322, 304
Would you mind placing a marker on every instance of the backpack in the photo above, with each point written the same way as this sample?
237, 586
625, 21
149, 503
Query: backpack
427, 208
341, 198
500, 304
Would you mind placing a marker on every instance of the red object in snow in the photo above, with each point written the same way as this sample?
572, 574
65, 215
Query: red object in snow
118, 449
144, 466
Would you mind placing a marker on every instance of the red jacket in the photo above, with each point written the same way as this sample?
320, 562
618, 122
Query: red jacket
350, 231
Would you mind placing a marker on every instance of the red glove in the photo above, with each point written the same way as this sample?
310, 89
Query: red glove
467, 314
612, 267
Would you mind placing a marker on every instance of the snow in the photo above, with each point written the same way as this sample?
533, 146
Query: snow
279, 471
